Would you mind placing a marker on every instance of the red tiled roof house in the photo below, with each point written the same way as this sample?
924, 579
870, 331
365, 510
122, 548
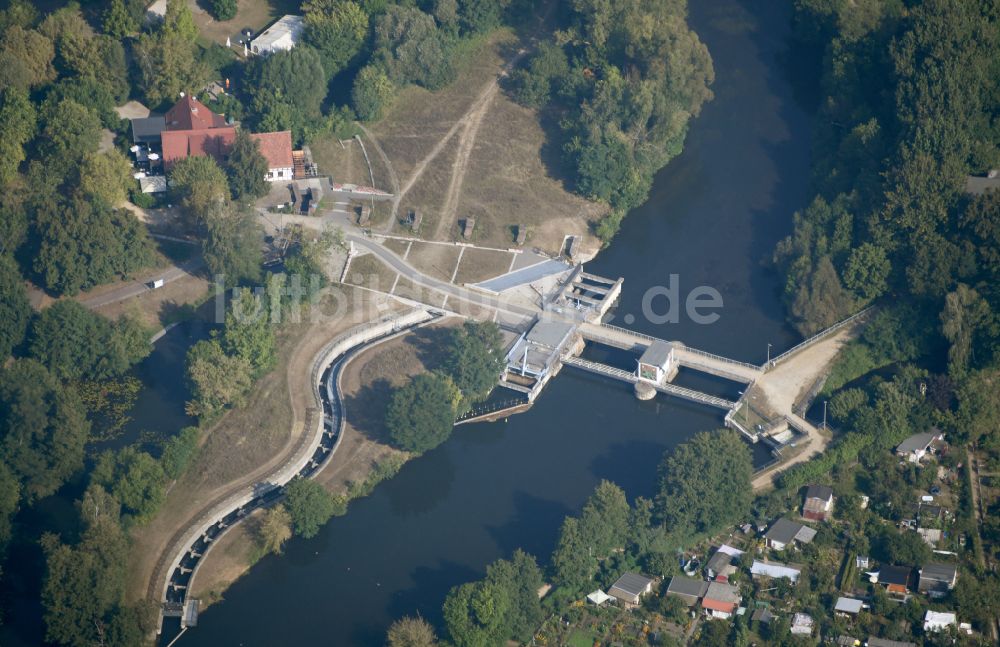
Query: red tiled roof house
192, 130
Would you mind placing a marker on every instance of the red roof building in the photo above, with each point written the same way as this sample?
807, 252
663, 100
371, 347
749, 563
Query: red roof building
192, 130
277, 150
191, 114
179, 144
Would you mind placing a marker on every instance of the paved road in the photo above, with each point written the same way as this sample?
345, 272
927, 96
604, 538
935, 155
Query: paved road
135, 288
406, 270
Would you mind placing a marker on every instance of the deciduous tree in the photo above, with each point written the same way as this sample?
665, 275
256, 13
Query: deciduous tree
411, 632
705, 483
15, 310
309, 505
421, 414
43, 428
274, 529
371, 93
246, 168
337, 29
217, 380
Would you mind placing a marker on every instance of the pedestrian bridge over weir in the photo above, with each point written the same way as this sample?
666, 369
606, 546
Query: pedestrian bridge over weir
557, 316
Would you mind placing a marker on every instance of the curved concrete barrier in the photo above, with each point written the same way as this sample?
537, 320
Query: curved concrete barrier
313, 451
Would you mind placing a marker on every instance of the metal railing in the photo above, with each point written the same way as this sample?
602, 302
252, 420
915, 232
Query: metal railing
815, 338
491, 408
720, 358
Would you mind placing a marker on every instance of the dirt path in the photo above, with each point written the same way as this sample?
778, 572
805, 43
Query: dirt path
390, 169
466, 142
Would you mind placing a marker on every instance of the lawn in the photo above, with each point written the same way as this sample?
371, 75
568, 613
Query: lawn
583, 638
251, 14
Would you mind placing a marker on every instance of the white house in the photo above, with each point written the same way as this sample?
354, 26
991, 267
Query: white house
280, 36
774, 570
802, 625
939, 621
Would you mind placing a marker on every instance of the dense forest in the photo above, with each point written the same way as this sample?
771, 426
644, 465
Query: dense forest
622, 80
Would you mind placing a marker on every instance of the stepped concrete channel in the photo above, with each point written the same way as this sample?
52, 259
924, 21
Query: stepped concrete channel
192, 543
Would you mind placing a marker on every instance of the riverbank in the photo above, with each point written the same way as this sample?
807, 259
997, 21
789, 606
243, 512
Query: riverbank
364, 456
248, 441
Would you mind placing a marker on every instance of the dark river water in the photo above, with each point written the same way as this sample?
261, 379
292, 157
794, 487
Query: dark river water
714, 215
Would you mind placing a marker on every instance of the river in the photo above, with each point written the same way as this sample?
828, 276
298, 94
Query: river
714, 215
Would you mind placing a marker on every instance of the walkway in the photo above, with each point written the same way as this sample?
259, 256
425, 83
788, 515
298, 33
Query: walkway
686, 356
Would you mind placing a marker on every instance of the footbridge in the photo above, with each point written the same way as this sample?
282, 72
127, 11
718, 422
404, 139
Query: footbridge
686, 356
665, 387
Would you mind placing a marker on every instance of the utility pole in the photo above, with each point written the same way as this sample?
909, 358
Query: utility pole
769, 354
824, 414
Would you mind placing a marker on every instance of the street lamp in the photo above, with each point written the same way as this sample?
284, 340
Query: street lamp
769, 353
824, 414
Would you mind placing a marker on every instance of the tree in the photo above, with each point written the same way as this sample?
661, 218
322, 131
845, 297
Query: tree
17, 127
134, 478
25, 59
411, 632
475, 614
69, 132
246, 169
199, 186
119, 21
249, 332
705, 483
821, 301
866, 272
309, 505
83, 242
475, 359
85, 584
412, 49
337, 29
978, 405
371, 93
274, 529
10, 497
421, 414
232, 247
15, 309
284, 93
167, 57
480, 16
78, 344
604, 523
966, 319
43, 428
573, 562
179, 451
217, 380
106, 176
224, 9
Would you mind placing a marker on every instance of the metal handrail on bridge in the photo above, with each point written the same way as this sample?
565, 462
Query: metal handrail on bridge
815, 338
719, 358
696, 351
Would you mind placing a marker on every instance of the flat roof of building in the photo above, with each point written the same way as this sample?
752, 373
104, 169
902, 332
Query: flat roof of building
657, 353
289, 26
848, 605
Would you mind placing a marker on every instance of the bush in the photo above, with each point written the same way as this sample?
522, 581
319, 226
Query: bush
223, 9
179, 451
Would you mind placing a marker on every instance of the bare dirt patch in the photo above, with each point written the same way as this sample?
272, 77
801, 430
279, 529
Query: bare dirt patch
481, 264
507, 183
419, 119
434, 259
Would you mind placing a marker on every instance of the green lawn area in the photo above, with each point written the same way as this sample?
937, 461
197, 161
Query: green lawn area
582, 638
